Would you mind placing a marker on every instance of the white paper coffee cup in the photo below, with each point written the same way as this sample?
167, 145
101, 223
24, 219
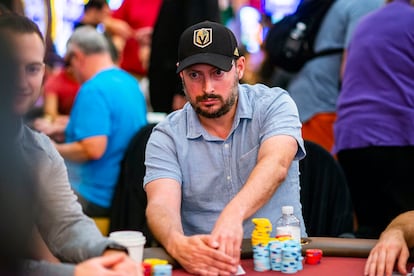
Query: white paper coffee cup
133, 240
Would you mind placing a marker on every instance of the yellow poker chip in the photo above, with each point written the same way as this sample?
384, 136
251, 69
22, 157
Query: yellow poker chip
155, 261
261, 232
261, 221
260, 241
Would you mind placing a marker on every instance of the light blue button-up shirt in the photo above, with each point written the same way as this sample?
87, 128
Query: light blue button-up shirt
212, 170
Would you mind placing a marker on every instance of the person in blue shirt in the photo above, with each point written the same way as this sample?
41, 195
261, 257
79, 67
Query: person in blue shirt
229, 155
108, 110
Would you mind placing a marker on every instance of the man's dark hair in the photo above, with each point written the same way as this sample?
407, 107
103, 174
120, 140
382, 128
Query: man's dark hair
19, 24
97, 4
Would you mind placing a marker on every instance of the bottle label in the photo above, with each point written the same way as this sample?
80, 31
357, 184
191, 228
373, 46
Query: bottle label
293, 231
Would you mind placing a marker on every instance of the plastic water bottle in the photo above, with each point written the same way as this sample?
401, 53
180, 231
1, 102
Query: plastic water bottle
288, 224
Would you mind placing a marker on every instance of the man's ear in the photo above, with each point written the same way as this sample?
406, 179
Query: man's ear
240, 66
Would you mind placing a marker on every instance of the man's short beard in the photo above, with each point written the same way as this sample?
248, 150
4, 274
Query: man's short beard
227, 105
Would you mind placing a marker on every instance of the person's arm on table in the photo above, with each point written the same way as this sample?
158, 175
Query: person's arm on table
273, 162
122, 263
193, 253
69, 234
393, 245
115, 264
90, 148
105, 265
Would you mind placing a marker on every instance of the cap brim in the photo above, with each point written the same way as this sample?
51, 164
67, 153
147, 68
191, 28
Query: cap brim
220, 61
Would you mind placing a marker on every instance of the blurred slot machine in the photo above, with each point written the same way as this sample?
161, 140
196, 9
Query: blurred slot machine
277, 9
38, 11
64, 14
251, 29
59, 16
256, 16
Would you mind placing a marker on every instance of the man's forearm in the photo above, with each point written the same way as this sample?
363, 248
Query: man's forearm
73, 152
164, 225
270, 171
251, 198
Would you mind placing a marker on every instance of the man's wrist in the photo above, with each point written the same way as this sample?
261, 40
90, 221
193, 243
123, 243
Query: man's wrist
116, 247
173, 242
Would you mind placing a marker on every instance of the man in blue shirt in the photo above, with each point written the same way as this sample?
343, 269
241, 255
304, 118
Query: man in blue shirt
108, 110
229, 155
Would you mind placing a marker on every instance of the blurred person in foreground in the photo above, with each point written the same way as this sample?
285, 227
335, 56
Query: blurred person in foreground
393, 246
108, 110
69, 234
374, 130
17, 189
229, 155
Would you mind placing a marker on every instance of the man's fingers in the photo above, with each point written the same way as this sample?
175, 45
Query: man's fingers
112, 259
402, 262
370, 266
381, 263
209, 241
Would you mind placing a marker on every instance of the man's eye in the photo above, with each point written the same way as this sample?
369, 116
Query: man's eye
33, 69
219, 72
193, 75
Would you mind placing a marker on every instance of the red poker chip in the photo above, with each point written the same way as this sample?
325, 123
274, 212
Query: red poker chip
147, 269
313, 256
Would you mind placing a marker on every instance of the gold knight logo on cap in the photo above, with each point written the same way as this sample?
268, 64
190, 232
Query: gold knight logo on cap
203, 37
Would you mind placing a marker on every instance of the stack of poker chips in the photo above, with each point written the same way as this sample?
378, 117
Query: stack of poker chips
275, 248
260, 241
285, 255
279, 254
157, 267
291, 257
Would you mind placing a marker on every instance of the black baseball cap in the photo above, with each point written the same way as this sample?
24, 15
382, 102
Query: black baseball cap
208, 43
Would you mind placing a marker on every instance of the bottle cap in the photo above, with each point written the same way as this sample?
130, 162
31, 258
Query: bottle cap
287, 210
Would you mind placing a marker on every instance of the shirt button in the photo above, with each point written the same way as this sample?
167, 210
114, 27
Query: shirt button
226, 146
228, 177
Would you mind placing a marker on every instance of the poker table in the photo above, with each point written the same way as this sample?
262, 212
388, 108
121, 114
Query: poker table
338, 266
341, 256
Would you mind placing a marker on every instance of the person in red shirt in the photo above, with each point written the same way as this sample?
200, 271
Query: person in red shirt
59, 90
133, 21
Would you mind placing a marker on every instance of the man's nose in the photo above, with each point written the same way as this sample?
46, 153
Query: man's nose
23, 82
208, 85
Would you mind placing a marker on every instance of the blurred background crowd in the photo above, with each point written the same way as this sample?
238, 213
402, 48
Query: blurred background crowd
130, 25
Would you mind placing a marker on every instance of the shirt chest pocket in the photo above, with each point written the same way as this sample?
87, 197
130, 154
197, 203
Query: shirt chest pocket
246, 163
